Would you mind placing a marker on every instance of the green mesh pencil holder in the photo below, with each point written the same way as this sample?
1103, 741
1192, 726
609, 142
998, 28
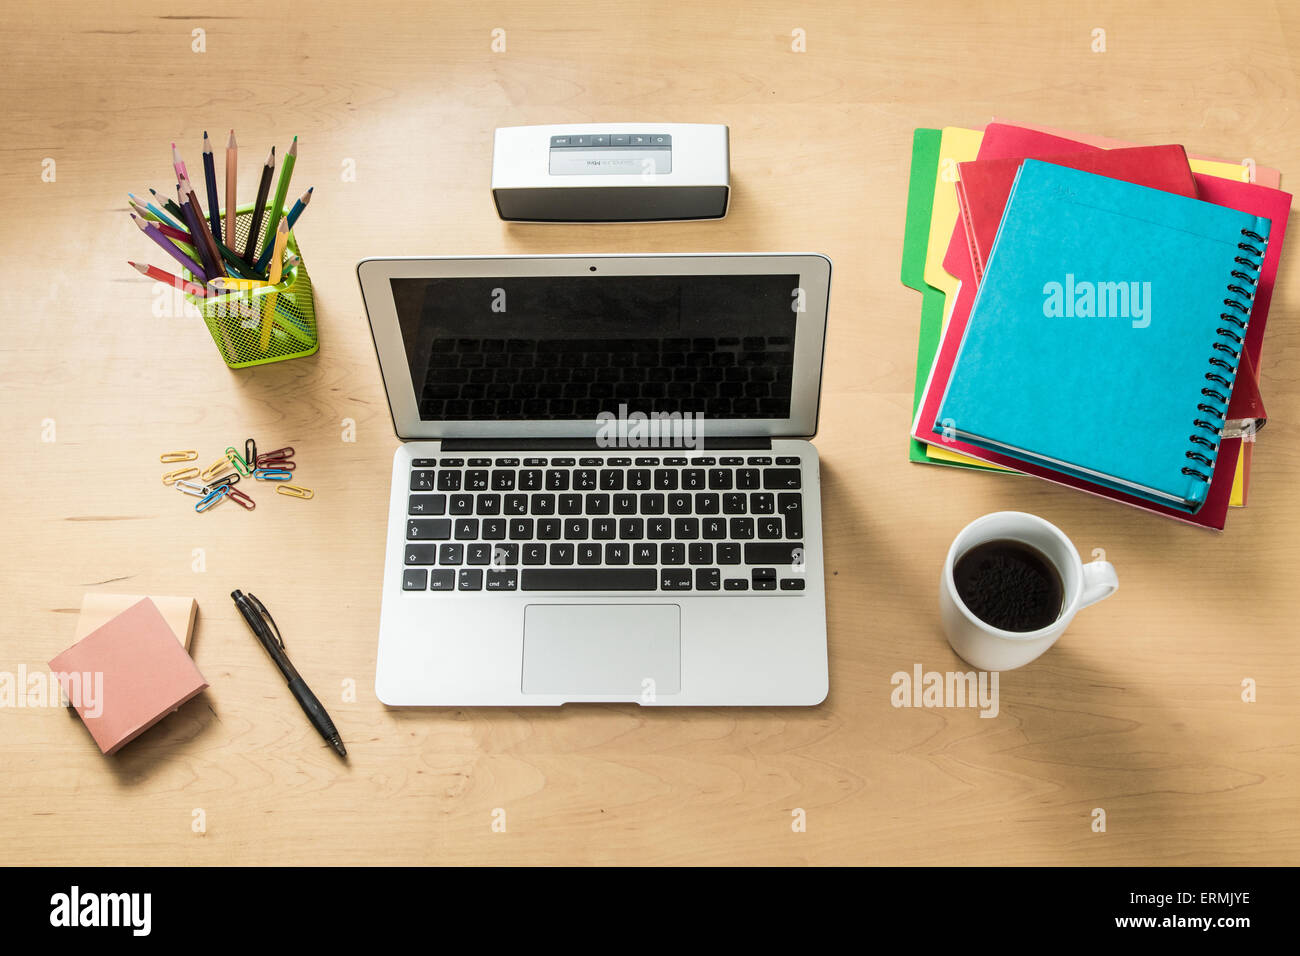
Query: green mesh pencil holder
265, 324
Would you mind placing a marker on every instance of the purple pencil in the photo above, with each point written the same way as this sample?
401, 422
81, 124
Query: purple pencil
171, 250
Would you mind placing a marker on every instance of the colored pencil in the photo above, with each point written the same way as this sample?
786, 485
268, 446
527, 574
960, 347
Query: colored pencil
281, 193
194, 219
157, 213
176, 235
273, 277
235, 266
178, 164
168, 247
141, 211
153, 272
227, 284
210, 181
232, 183
259, 207
202, 233
294, 213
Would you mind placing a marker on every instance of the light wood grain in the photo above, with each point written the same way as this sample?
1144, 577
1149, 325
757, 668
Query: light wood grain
1137, 710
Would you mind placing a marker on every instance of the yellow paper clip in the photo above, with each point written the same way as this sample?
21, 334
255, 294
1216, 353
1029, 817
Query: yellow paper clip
178, 456
174, 476
215, 469
293, 491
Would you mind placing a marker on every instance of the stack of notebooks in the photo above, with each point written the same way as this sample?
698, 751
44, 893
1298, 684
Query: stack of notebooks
1092, 312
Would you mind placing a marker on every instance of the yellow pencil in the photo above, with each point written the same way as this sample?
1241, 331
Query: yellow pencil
273, 277
231, 284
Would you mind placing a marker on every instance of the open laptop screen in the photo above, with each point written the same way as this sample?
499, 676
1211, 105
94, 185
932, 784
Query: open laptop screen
566, 348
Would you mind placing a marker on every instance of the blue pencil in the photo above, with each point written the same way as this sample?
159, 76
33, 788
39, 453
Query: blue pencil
294, 213
162, 216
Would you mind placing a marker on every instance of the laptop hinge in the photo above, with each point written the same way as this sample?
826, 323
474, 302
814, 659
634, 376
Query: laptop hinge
590, 444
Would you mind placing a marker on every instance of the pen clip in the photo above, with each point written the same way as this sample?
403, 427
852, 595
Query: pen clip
261, 609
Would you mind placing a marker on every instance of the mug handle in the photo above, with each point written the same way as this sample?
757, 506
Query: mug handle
1099, 582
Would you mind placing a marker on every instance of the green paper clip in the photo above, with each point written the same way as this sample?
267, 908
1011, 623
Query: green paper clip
237, 460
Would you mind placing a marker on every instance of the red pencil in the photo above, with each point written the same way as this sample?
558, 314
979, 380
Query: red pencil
153, 272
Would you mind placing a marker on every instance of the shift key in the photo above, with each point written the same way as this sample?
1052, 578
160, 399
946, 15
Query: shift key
774, 552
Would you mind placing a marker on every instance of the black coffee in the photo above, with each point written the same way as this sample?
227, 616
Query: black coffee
1009, 585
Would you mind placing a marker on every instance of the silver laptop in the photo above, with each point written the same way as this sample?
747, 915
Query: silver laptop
605, 490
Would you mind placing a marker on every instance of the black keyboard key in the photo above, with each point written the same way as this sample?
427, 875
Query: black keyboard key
480, 462
557, 480
703, 461
442, 579
478, 554
534, 553
451, 553
530, 480
762, 503
422, 481
742, 528
534, 462
706, 503
448, 480
588, 579
781, 478
707, 579
760, 461
424, 463
514, 505
415, 579
769, 528
543, 504
679, 504
731, 461
548, 529
659, 529
521, 529
584, 480
652, 504
494, 529
693, 479
504, 555
503, 481
428, 529
735, 584
426, 505
476, 480
603, 529
507, 463
770, 552
617, 552
597, 504
714, 529
638, 480
570, 504
466, 529
611, 479
470, 579
675, 579
487, 505
563, 462
700, 553
421, 553
647, 461
643, 552
746, 478
590, 462
631, 529
576, 529
792, 584
790, 507
453, 463
665, 479
625, 504
561, 554
589, 553
672, 553
734, 503
461, 505
686, 529
502, 580
729, 553
787, 460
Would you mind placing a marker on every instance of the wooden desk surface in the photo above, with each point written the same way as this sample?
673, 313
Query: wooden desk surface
1137, 711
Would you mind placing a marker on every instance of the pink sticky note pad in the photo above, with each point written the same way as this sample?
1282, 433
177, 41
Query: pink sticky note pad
127, 675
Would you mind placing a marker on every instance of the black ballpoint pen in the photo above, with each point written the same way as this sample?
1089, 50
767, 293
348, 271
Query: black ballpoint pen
258, 618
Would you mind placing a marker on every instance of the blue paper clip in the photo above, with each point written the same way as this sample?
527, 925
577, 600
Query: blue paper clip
214, 497
273, 474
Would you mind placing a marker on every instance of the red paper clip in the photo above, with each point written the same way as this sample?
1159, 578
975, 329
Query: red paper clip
241, 499
273, 458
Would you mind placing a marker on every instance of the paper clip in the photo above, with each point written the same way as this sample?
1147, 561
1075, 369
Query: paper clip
271, 459
272, 474
230, 479
250, 454
173, 476
293, 491
213, 498
178, 456
190, 488
241, 499
237, 461
214, 469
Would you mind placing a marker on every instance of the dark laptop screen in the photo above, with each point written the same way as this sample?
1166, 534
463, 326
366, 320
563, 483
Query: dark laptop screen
571, 347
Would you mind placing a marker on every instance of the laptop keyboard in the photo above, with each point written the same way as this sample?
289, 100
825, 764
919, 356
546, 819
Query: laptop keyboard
726, 524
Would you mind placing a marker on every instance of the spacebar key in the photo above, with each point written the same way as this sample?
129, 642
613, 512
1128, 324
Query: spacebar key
589, 579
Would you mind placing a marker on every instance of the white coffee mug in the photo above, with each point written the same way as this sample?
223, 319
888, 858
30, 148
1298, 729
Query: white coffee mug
993, 649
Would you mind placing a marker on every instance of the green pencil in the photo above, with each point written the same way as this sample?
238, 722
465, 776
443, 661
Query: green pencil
281, 193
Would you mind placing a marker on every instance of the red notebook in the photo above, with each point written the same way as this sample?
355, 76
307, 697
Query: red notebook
984, 186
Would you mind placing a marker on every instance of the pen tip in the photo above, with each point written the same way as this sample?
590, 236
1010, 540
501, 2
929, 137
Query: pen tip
337, 743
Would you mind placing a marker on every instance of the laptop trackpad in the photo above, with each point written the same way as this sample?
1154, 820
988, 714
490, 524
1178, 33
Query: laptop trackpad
623, 650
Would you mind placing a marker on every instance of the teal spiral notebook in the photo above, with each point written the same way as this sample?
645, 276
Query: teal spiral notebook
1104, 339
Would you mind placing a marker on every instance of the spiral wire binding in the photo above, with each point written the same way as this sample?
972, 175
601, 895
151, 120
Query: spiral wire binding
1241, 296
